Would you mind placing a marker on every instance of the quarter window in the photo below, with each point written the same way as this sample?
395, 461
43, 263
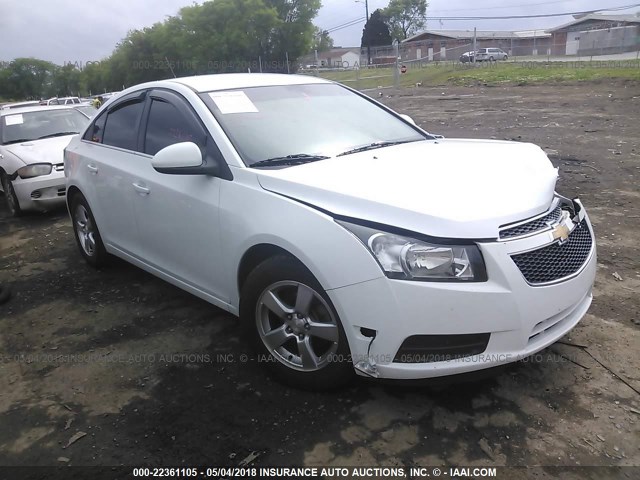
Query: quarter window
121, 129
95, 131
168, 125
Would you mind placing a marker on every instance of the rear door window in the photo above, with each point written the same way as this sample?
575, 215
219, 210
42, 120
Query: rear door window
95, 131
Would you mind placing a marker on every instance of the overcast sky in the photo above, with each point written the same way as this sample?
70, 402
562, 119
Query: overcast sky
80, 31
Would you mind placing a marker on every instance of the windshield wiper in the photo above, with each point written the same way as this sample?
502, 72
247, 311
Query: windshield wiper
295, 159
373, 146
59, 134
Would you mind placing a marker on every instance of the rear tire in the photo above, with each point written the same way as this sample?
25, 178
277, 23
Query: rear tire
293, 326
86, 232
10, 196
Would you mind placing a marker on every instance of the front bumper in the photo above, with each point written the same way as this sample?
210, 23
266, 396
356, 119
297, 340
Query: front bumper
521, 319
41, 193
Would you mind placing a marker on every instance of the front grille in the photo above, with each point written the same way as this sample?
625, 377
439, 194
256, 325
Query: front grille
535, 225
440, 348
556, 261
59, 167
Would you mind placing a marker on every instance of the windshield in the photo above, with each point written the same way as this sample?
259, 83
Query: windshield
312, 120
27, 126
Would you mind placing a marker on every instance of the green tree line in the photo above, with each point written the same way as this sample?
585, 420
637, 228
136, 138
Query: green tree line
213, 37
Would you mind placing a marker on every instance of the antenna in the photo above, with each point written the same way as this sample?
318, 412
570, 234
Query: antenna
170, 68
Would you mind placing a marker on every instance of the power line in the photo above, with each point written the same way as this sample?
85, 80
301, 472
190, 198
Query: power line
345, 25
356, 21
542, 15
499, 8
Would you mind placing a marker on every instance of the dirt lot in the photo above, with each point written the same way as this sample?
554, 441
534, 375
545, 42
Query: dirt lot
155, 376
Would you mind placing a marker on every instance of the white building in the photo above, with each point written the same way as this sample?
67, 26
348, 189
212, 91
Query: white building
340, 58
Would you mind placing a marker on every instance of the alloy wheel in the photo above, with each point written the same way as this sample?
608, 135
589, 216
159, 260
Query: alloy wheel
85, 230
297, 326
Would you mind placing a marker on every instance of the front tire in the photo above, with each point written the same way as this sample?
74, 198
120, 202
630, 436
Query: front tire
86, 232
291, 322
10, 196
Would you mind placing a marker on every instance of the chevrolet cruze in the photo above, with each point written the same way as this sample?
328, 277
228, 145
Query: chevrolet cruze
345, 237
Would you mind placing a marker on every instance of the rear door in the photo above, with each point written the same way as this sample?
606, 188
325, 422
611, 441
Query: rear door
110, 156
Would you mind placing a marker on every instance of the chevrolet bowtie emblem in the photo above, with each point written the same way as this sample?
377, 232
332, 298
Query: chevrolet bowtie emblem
561, 233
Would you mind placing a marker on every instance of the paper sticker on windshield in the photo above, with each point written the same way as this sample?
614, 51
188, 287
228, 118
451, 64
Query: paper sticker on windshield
233, 102
13, 119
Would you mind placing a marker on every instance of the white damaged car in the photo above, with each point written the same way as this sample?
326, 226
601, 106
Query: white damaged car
345, 237
32, 141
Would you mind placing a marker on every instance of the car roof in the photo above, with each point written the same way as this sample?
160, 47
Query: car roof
221, 81
226, 81
35, 108
25, 103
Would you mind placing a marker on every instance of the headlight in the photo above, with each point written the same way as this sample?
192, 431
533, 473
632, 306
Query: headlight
34, 170
407, 258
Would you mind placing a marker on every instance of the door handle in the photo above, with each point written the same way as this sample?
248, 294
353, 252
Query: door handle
142, 190
92, 168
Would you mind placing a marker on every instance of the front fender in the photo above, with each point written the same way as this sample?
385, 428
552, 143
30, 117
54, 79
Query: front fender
10, 162
333, 255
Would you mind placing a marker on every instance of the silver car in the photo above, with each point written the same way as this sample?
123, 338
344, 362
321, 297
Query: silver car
491, 54
32, 142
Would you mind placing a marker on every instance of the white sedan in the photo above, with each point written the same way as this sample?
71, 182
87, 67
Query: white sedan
32, 141
343, 236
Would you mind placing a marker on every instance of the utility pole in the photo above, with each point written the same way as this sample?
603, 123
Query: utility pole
474, 44
366, 6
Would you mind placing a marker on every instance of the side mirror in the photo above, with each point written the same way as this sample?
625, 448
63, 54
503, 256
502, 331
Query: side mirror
183, 158
408, 119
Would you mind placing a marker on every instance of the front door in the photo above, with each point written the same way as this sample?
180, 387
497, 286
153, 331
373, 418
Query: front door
177, 215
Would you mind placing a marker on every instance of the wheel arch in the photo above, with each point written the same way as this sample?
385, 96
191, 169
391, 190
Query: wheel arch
257, 254
2, 172
72, 191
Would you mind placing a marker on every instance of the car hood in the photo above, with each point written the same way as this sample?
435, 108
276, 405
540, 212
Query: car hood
448, 188
47, 150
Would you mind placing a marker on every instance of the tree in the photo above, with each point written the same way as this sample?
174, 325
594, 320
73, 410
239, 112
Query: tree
406, 17
322, 41
294, 33
376, 31
215, 37
66, 80
94, 78
212, 37
28, 78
